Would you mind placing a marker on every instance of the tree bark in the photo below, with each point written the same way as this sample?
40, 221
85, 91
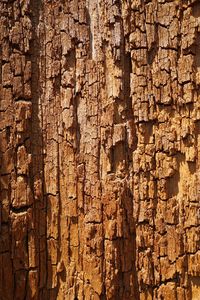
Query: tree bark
99, 149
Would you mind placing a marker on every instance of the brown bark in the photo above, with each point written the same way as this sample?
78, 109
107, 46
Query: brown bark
99, 149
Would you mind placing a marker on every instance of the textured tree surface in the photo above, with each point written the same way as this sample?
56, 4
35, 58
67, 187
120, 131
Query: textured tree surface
99, 149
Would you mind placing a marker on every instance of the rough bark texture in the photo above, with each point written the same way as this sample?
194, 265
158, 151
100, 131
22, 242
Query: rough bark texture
99, 149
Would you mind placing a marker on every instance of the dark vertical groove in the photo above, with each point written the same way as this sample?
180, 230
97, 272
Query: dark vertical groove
37, 145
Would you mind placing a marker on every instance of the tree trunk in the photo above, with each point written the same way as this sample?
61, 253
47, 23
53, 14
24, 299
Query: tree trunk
99, 150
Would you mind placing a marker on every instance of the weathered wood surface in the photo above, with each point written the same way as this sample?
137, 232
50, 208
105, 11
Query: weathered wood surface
99, 149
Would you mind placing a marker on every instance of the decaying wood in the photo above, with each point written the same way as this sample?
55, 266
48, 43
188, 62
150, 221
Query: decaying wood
99, 149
